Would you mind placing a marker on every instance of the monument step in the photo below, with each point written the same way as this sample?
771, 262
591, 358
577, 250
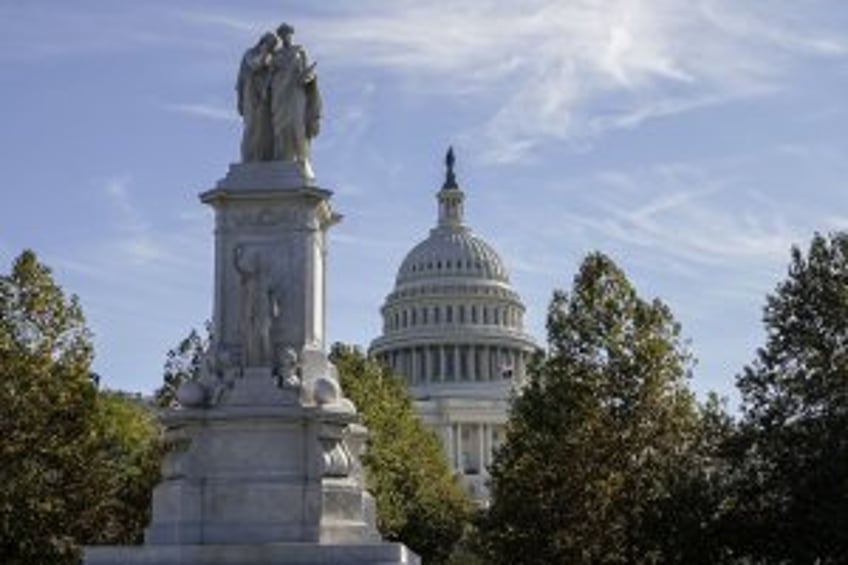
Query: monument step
269, 554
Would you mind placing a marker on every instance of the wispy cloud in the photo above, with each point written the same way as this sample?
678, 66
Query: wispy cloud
207, 111
541, 70
674, 219
218, 21
136, 240
688, 218
579, 69
92, 29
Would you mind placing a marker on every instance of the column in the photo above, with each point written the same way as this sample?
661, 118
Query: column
521, 365
404, 363
413, 370
454, 356
441, 363
481, 448
490, 447
515, 355
428, 363
503, 359
472, 363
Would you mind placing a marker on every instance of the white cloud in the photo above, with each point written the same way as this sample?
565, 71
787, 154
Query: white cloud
207, 111
232, 23
538, 70
557, 67
136, 241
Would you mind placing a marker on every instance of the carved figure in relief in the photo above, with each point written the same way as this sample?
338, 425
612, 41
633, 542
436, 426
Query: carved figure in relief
295, 101
259, 307
215, 372
288, 368
254, 100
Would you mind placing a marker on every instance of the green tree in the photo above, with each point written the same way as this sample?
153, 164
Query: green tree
47, 424
75, 463
690, 525
599, 440
793, 445
129, 449
419, 502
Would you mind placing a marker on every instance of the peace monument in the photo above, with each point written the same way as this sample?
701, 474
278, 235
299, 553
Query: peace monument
263, 451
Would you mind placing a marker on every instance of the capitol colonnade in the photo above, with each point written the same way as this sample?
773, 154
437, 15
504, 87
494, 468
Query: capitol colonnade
453, 328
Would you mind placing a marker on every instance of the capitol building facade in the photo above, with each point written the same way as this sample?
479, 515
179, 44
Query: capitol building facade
453, 328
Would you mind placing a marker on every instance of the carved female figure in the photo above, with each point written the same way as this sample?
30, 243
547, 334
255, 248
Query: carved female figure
254, 100
295, 101
258, 307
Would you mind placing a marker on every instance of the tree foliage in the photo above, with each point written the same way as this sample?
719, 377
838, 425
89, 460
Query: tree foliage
600, 442
62, 445
47, 422
182, 363
129, 455
419, 502
793, 444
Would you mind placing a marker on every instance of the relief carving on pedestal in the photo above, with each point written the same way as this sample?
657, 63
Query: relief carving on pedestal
259, 305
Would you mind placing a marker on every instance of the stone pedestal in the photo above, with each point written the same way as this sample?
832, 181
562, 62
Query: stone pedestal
270, 233
263, 455
268, 554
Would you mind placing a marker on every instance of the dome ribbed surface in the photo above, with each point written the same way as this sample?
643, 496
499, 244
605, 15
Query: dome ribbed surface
452, 252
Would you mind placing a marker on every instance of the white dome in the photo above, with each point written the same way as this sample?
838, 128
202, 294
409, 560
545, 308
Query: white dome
452, 291
450, 253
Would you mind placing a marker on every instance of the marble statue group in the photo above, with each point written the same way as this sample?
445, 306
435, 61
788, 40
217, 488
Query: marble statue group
278, 99
262, 450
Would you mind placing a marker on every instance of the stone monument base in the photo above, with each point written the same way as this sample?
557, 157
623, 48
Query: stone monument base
262, 454
267, 554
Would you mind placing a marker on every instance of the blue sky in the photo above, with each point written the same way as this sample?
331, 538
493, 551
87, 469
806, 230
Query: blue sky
694, 141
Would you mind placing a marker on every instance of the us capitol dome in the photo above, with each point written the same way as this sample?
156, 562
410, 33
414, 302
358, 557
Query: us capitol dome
453, 328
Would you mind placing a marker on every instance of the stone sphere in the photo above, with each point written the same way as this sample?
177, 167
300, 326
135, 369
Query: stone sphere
326, 391
191, 394
347, 406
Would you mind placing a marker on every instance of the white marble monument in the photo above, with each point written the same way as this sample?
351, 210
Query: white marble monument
262, 462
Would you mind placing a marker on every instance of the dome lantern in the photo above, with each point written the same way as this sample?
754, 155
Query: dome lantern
450, 197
